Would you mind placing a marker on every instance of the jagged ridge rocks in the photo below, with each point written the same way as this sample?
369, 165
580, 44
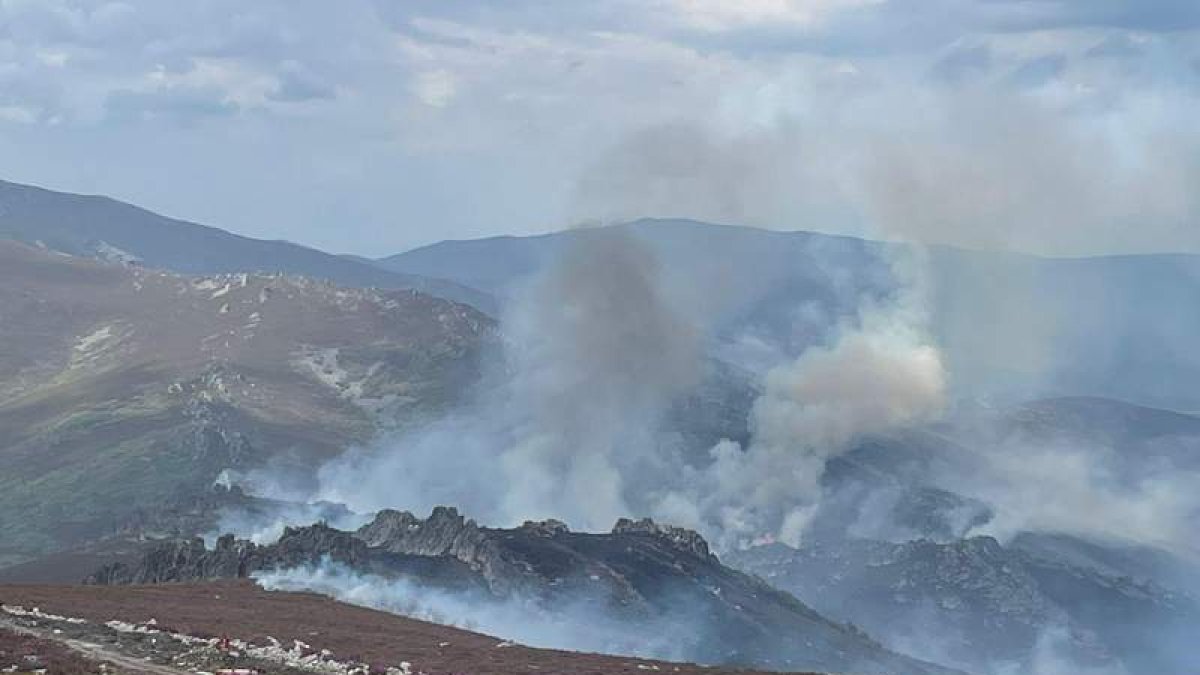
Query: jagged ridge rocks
639, 575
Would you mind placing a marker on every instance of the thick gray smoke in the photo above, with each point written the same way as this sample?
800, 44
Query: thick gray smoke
593, 356
598, 354
595, 353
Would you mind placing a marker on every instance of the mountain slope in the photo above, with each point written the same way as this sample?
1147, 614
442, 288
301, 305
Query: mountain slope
120, 387
979, 605
109, 229
895, 546
641, 588
240, 610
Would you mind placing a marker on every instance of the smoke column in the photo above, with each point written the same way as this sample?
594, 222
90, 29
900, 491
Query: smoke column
593, 355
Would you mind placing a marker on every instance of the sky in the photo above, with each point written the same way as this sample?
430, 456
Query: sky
1063, 127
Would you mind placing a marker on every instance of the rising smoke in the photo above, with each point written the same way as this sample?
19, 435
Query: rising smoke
597, 348
594, 354
881, 372
576, 624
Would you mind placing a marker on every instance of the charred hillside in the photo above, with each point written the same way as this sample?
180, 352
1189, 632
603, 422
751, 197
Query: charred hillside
645, 577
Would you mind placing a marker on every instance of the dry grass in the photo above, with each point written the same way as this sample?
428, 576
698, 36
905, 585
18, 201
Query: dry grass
242, 610
30, 654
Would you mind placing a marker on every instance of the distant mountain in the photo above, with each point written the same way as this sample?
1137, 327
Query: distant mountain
121, 386
111, 230
642, 588
1012, 326
981, 606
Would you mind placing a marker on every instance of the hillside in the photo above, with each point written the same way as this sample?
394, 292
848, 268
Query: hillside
240, 610
979, 605
641, 589
921, 542
121, 387
104, 228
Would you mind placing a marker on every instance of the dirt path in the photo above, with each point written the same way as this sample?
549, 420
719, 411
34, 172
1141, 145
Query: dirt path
95, 652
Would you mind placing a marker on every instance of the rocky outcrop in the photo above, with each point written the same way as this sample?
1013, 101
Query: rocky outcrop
545, 528
230, 558
446, 533
683, 539
514, 560
657, 583
988, 604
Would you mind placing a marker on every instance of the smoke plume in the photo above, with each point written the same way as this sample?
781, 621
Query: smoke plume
593, 355
880, 373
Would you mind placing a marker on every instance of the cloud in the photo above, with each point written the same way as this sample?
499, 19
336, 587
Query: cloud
18, 114
715, 15
1148, 15
297, 84
1039, 71
1120, 45
434, 88
176, 103
963, 64
412, 94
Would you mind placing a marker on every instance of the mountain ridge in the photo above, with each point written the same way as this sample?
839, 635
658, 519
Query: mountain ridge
92, 225
642, 578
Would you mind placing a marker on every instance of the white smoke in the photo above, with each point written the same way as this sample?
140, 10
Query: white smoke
265, 523
1050, 657
1084, 490
595, 353
880, 374
575, 624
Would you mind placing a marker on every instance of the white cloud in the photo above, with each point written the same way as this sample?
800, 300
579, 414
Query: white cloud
54, 58
717, 15
18, 114
435, 87
441, 91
